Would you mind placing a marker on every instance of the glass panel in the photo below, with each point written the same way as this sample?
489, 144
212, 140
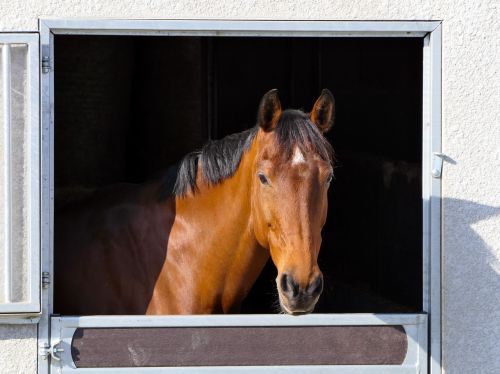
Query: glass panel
14, 174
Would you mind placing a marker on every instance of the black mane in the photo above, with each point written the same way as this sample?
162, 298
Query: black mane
219, 159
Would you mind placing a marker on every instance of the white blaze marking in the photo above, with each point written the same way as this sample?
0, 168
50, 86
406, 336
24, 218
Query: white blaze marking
298, 157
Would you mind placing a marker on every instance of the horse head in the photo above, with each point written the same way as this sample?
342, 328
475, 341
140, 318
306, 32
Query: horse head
291, 176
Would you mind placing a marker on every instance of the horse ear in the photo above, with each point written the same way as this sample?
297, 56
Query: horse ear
269, 110
323, 111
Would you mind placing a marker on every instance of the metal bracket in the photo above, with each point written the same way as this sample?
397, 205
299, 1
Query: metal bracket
46, 66
437, 164
45, 350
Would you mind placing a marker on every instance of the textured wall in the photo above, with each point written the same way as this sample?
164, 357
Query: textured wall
471, 133
18, 349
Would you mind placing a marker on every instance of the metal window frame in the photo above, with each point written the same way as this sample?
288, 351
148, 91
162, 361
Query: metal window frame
415, 326
23, 312
430, 31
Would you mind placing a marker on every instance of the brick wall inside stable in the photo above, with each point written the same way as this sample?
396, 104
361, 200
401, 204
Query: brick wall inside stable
113, 116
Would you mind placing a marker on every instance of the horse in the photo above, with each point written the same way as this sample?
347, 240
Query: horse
195, 240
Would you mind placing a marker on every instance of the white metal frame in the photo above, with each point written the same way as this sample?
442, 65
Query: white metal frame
431, 193
429, 30
415, 326
22, 312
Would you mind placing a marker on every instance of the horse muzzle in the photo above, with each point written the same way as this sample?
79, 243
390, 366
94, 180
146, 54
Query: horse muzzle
295, 299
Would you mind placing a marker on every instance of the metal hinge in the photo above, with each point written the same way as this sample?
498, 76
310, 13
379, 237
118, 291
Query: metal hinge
437, 164
45, 350
45, 279
46, 66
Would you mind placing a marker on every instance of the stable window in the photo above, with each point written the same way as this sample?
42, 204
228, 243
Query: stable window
126, 109
112, 96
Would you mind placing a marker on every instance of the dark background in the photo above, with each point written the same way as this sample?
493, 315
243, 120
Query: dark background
127, 107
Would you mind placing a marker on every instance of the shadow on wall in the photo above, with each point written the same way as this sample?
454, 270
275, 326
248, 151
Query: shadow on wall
471, 287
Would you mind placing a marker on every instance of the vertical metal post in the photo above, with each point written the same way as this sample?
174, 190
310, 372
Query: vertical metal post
47, 192
435, 205
319, 66
431, 195
209, 97
426, 174
7, 171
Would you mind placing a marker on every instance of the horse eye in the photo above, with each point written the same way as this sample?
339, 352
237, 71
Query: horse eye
263, 178
330, 177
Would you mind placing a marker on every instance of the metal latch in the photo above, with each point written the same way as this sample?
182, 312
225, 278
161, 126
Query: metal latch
46, 65
45, 350
437, 164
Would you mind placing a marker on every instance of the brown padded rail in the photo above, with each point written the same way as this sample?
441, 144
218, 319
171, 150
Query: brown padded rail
239, 346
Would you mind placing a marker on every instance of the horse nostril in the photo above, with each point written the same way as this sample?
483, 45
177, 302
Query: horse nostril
316, 287
295, 287
284, 282
288, 285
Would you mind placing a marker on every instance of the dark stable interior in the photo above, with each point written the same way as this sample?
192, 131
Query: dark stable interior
128, 107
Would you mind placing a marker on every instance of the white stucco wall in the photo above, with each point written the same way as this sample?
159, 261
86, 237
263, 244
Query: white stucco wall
471, 139
18, 349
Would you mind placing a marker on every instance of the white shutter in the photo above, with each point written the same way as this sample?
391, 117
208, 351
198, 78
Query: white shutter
19, 174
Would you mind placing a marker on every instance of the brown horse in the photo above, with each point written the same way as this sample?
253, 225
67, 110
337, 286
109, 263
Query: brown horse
197, 246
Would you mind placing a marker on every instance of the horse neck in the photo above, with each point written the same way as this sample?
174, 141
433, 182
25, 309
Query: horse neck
232, 197
229, 252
